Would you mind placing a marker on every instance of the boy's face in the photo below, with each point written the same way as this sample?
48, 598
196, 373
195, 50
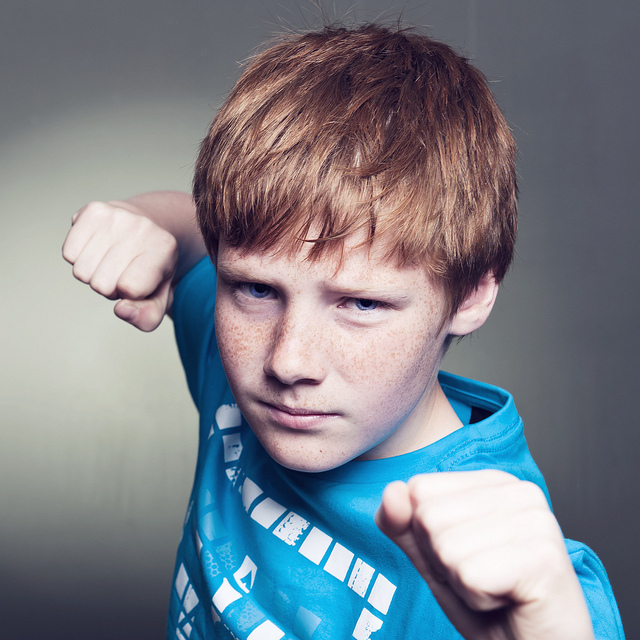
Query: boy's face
331, 361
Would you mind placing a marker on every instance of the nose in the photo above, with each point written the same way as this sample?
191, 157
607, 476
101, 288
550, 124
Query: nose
296, 351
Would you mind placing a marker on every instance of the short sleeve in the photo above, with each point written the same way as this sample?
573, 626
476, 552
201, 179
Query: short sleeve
193, 318
598, 593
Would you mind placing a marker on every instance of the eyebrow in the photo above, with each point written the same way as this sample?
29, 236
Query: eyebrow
233, 273
239, 272
369, 292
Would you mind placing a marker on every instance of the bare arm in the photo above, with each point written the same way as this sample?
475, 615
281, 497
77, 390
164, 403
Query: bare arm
135, 251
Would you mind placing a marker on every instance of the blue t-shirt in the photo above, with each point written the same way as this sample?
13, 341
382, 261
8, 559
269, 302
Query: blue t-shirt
270, 553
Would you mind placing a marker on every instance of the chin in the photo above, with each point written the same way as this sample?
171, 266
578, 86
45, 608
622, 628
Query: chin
311, 467
307, 463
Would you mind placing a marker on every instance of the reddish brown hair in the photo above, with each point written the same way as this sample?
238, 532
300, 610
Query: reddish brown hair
367, 129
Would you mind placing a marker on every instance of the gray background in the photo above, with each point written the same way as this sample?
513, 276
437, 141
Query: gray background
104, 99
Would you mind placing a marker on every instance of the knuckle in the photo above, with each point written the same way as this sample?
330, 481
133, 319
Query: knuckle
474, 587
467, 575
498, 478
102, 285
136, 285
430, 516
500, 475
131, 287
419, 487
532, 493
95, 208
80, 272
447, 552
548, 556
171, 245
68, 252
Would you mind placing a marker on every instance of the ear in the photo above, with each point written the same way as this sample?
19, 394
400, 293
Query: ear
476, 308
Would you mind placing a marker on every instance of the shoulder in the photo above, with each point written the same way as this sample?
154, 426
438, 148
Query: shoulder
493, 433
597, 591
193, 317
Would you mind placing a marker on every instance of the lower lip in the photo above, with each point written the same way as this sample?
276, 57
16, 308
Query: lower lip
298, 421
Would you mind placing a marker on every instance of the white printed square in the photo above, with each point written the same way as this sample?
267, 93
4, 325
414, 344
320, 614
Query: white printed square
267, 512
360, 577
266, 631
224, 596
182, 580
366, 625
228, 416
291, 528
382, 594
232, 447
315, 545
250, 491
190, 600
338, 563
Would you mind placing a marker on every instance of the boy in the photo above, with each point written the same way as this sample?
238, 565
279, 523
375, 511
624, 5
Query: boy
356, 193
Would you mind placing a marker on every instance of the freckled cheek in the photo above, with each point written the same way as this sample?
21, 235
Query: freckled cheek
395, 369
239, 342
383, 355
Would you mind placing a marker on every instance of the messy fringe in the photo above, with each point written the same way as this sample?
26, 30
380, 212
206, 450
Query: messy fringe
384, 133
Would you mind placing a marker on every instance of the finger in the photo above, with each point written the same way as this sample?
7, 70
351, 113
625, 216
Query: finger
109, 270
395, 511
77, 214
146, 272
90, 256
500, 575
83, 227
474, 558
75, 242
119, 275
438, 484
395, 520
452, 545
468, 502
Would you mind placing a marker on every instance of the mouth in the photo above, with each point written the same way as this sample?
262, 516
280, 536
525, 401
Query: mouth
297, 417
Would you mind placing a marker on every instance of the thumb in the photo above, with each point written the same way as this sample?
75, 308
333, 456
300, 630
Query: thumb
396, 511
146, 314
395, 519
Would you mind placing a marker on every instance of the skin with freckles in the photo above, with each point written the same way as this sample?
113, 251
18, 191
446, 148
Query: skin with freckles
333, 360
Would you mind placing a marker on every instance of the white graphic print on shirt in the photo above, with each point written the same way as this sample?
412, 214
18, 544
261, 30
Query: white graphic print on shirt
231, 604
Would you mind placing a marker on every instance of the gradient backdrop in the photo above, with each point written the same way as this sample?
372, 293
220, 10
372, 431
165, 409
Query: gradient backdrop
104, 99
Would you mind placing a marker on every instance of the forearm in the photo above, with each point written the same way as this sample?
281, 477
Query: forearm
175, 212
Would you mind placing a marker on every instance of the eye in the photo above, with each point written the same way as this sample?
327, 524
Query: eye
256, 290
363, 304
